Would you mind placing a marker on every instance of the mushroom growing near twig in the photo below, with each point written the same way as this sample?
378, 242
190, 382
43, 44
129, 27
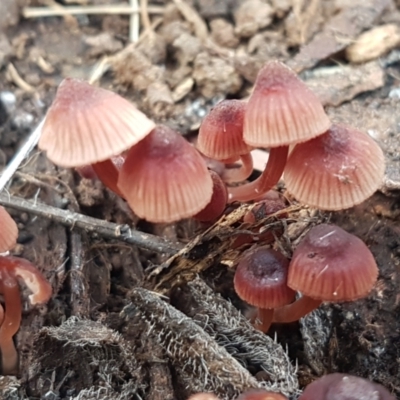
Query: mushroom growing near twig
329, 264
90, 125
12, 268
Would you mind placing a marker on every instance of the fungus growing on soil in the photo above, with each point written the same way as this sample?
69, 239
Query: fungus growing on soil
221, 138
8, 232
337, 170
88, 125
329, 264
281, 111
261, 395
344, 387
217, 204
12, 268
260, 280
164, 178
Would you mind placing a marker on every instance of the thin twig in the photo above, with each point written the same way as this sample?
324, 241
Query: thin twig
37, 12
20, 156
95, 226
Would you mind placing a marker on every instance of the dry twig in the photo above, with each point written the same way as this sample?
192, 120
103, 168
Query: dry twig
94, 226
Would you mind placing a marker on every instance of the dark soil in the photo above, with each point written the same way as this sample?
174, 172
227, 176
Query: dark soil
129, 323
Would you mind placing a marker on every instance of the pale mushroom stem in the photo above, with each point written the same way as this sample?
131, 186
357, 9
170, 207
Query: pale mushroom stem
241, 173
296, 310
11, 322
264, 319
266, 181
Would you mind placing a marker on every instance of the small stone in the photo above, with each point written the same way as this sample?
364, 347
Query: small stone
223, 33
22, 121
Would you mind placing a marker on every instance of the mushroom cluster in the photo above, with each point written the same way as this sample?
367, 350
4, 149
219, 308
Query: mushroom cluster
164, 179
329, 265
12, 269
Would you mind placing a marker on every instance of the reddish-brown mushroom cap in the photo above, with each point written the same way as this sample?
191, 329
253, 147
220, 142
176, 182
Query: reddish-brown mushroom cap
261, 278
344, 387
221, 138
86, 124
329, 264
282, 110
221, 131
261, 281
8, 232
164, 178
261, 395
336, 170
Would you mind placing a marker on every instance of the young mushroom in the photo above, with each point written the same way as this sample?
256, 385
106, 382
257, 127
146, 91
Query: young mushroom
329, 264
221, 138
336, 170
344, 387
88, 125
260, 280
281, 111
8, 232
12, 268
164, 178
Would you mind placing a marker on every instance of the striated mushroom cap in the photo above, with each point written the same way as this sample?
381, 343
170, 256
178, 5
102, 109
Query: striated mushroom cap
164, 178
282, 110
86, 124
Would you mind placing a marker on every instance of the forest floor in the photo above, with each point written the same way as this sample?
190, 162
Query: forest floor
127, 322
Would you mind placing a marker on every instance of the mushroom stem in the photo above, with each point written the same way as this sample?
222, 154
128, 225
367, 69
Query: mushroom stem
107, 172
11, 322
264, 319
296, 310
241, 173
268, 179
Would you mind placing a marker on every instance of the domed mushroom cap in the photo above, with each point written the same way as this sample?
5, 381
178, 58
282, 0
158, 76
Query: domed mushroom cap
331, 264
282, 110
344, 387
8, 232
221, 131
87, 124
337, 170
164, 178
261, 279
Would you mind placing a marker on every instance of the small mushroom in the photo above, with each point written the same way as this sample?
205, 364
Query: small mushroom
221, 138
336, 170
261, 281
344, 387
12, 268
281, 111
329, 264
164, 178
88, 125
